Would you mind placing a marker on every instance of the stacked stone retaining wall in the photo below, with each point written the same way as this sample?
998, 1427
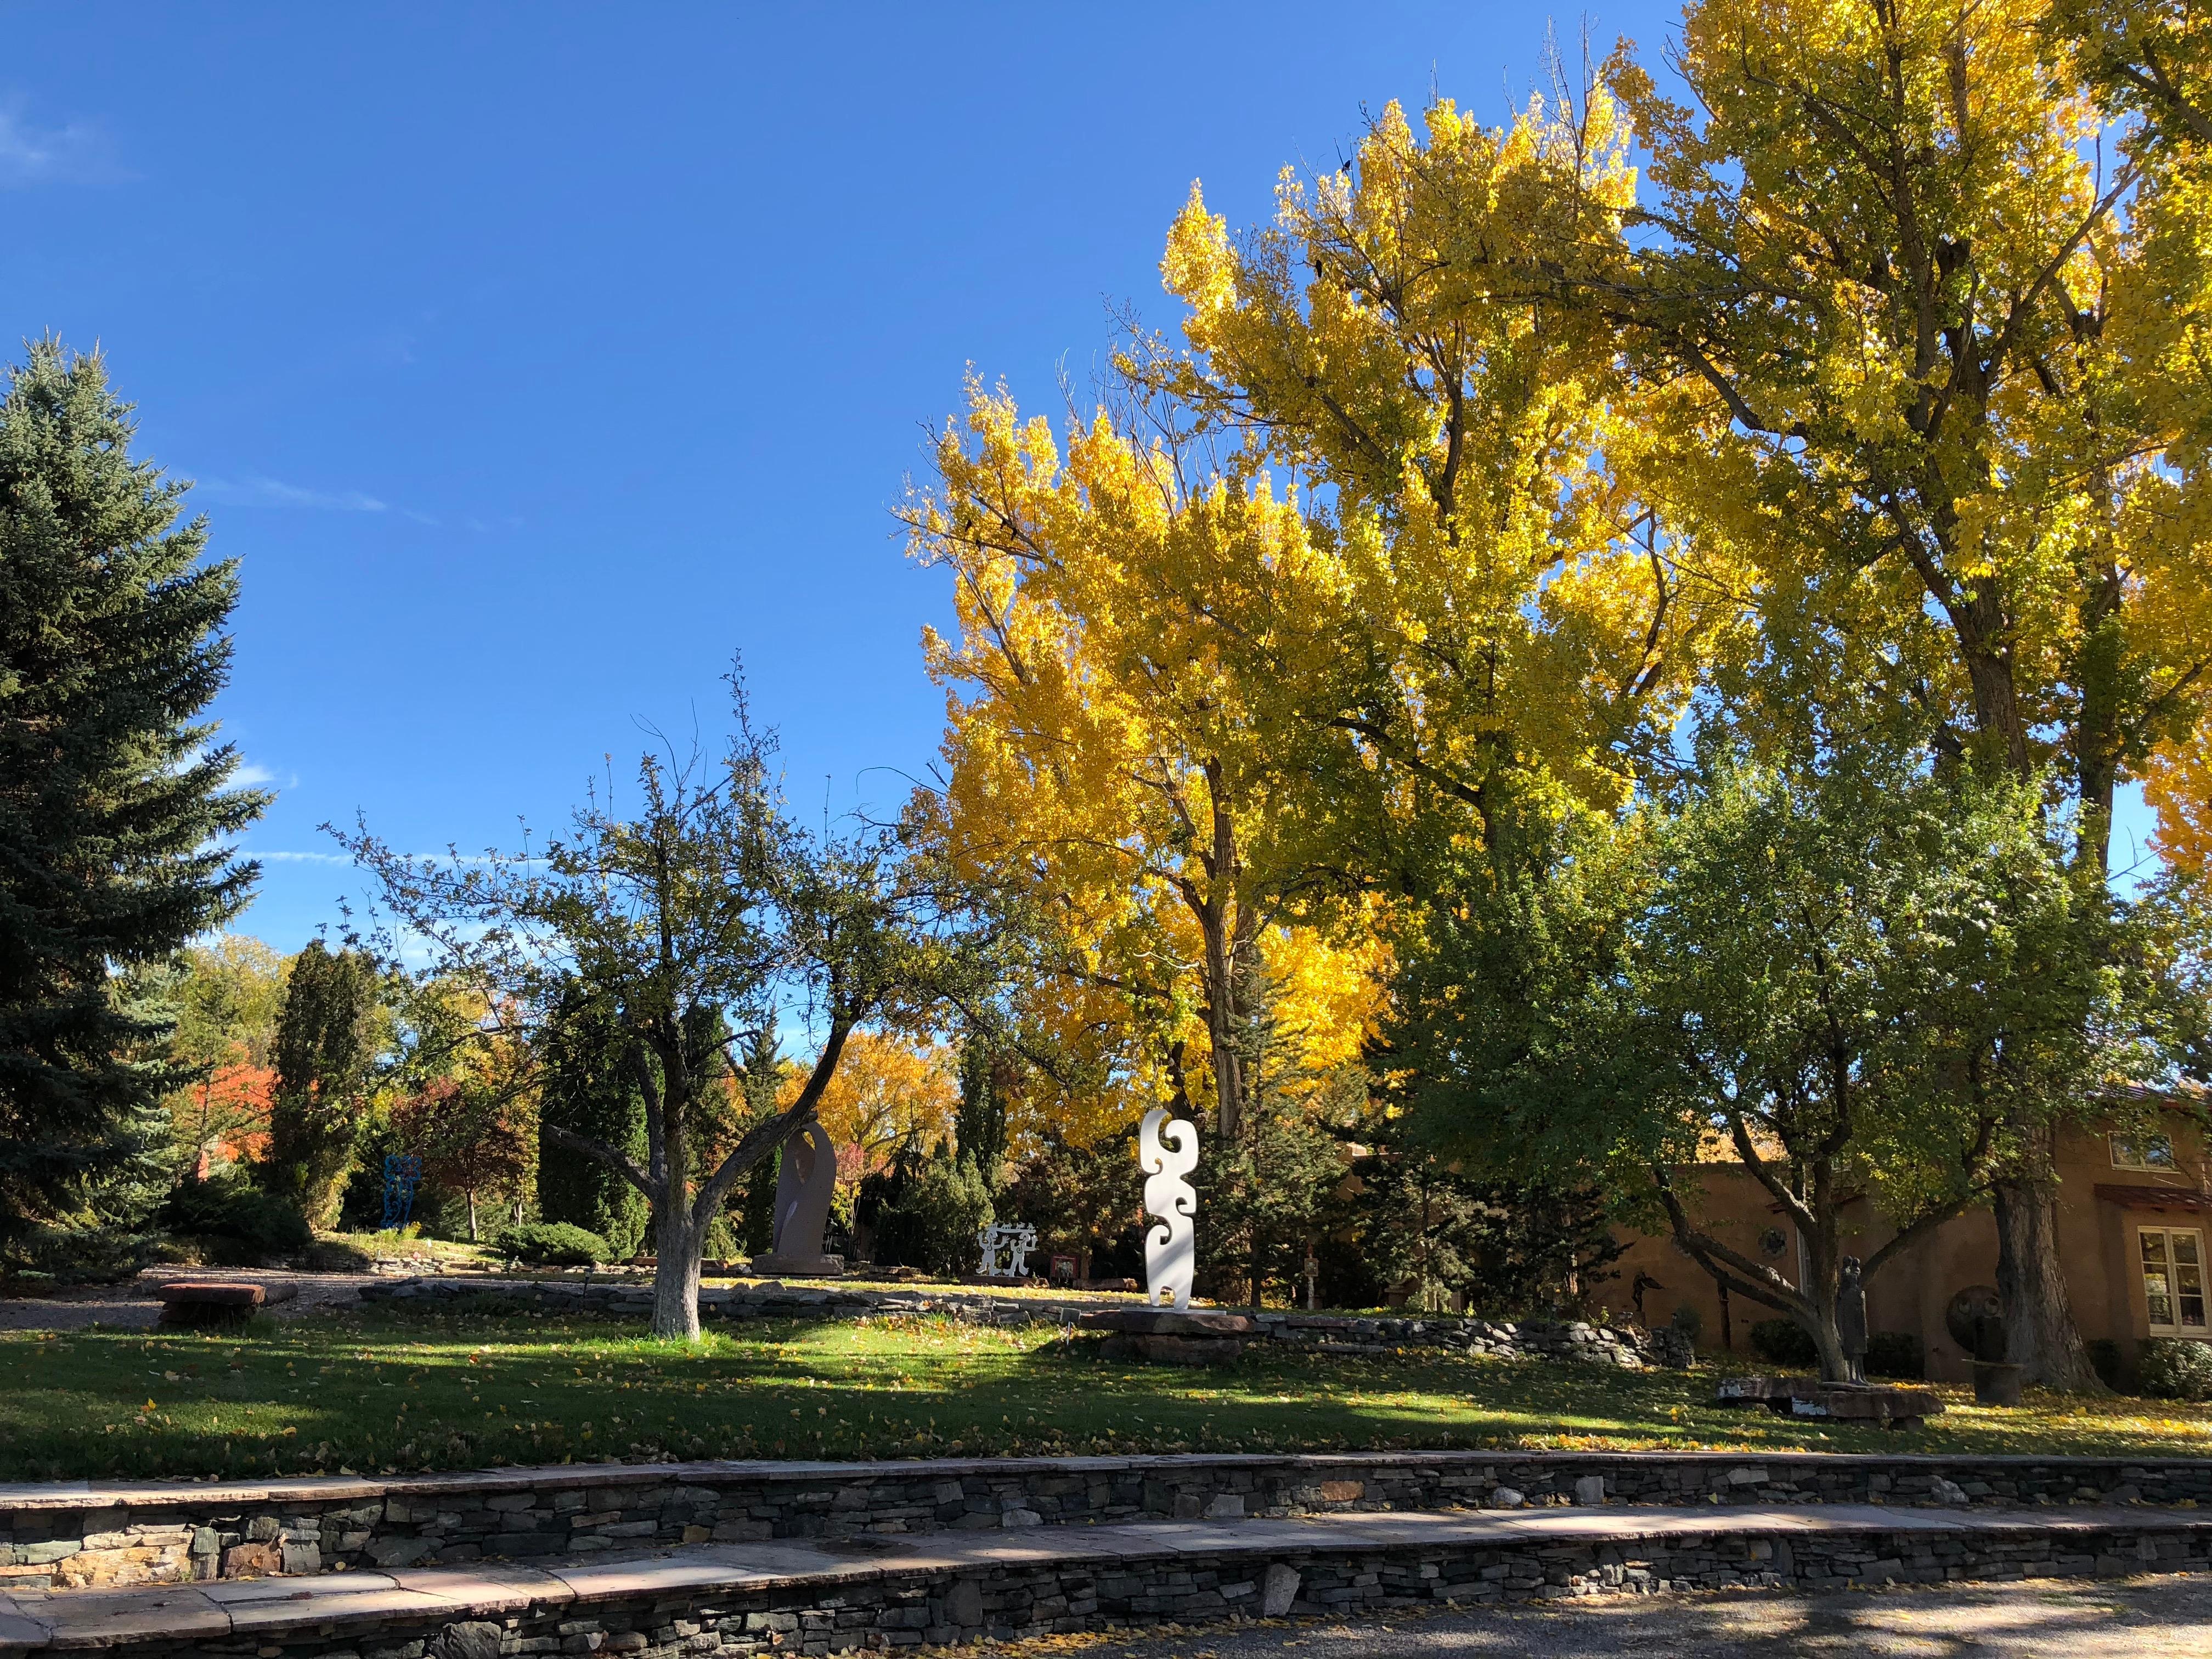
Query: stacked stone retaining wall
83, 1536
667, 1608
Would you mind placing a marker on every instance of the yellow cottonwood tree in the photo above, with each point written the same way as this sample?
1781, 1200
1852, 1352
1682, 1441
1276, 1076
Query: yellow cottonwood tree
1113, 740
1511, 612
1911, 267
2178, 785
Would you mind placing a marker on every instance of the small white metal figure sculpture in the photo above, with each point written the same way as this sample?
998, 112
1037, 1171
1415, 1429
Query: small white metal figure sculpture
1166, 1158
1017, 1239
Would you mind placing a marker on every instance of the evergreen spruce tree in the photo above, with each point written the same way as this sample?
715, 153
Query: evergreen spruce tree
327, 1048
585, 1088
112, 803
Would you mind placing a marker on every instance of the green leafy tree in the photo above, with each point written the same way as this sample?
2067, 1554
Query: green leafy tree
1856, 976
329, 1040
113, 809
706, 910
761, 1080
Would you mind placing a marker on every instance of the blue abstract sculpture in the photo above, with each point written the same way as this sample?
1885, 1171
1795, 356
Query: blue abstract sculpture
403, 1173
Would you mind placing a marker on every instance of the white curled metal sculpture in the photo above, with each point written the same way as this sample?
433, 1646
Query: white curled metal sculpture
1166, 1156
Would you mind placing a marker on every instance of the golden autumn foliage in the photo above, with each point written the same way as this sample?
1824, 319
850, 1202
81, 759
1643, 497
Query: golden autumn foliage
1113, 735
1503, 600
1857, 378
2179, 785
888, 1091
1939, 313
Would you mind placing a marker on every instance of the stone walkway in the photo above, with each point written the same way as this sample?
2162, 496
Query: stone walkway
2040, 1618
931, 1585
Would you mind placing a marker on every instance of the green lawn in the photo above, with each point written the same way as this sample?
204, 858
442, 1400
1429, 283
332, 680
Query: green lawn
409, 1390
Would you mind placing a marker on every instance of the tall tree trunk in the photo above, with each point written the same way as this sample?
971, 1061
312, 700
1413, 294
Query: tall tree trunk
676, 1274
472, 1215
2040, 1334
2039, 1330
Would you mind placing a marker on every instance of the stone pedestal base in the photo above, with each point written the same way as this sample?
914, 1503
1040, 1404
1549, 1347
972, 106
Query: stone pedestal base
1168, 1338
787, 1267
1808, 1396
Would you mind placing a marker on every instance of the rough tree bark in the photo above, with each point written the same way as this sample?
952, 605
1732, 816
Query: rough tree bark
683, 1208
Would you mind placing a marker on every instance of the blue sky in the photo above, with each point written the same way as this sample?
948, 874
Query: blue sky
535, 359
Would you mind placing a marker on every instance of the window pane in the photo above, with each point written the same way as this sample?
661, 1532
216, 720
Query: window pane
2189, 1280
2184, 1248
2158, 1291
2151, 1152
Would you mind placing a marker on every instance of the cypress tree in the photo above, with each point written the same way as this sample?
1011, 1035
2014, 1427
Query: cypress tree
112, 803
979, 1123
763, 1084
326, 1047
585, 1088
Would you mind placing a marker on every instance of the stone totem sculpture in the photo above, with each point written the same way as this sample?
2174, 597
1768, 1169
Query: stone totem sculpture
804, 1188
1166, 1156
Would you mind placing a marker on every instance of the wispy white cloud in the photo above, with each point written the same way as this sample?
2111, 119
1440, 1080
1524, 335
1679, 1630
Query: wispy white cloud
252, 491
417, 857
254, 776
80, 153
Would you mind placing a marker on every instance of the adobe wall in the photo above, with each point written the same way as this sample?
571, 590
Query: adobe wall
1913, 1290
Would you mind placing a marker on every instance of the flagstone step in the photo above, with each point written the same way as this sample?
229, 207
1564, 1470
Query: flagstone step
831, 1595
87, 1534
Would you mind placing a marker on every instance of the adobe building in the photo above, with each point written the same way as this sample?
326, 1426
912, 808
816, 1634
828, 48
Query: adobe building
2134, 1212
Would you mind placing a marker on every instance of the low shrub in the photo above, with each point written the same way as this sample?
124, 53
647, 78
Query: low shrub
2175, 1368
337, 1256
230, 1206
1896, 1354
552, 1244
39, 1256
1783, 1342
1688, 1320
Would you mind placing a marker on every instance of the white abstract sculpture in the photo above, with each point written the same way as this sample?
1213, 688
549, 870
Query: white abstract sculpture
1168, 1250
1017, 1239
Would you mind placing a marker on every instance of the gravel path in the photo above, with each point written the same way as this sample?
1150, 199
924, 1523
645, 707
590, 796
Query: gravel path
131, 1305
2161, 1618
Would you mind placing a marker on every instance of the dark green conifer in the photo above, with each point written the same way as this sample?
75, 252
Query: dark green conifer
113, 812
979, 1124
326, 1047
587, 1088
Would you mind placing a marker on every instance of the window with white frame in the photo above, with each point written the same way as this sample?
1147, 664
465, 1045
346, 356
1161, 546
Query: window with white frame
2142, 1153
2173, 1278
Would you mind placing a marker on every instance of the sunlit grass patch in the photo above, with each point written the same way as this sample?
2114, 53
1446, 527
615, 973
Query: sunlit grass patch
409, 1390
